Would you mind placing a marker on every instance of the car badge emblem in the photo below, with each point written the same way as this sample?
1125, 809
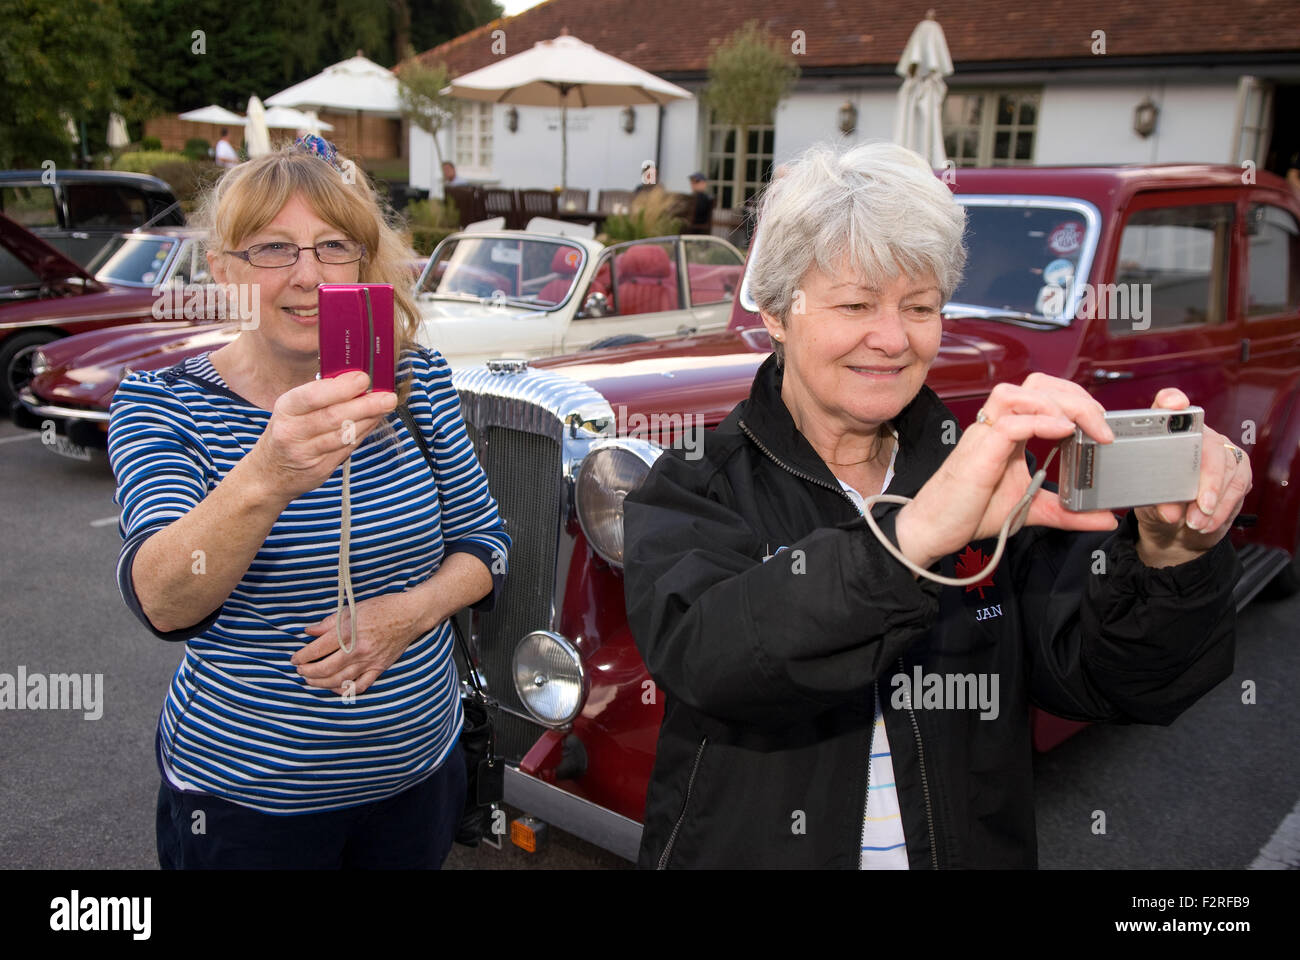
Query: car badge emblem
504, 365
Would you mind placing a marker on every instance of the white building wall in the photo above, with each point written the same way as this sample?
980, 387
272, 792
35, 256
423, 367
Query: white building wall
600, 154
807, 118
1094, 124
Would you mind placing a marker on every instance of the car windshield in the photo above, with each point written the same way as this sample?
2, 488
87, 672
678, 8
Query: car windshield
1022, 259
132, 260
517, 269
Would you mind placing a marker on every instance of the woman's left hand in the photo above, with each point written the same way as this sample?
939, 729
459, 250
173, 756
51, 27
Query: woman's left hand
386, 625
1173, 533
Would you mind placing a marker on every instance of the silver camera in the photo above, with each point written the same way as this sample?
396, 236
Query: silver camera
1155, 458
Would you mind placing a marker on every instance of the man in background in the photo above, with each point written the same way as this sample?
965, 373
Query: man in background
702, 208
226, 156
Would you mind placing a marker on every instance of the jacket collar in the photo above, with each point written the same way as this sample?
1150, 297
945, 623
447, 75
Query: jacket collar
923, 426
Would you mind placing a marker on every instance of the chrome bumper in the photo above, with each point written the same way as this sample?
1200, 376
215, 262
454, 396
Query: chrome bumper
582, 818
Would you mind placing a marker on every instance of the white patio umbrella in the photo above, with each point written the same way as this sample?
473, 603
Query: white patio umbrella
257, 138
213, 113
565, 72
918, 122
356, 84
287, 118
117, 135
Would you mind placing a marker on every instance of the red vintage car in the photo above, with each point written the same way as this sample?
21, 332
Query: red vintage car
58, 298
1122, 279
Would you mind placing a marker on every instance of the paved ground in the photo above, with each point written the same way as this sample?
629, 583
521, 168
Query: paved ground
1208, 792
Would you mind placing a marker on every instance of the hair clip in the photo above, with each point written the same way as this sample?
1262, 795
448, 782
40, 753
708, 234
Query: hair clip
320, 147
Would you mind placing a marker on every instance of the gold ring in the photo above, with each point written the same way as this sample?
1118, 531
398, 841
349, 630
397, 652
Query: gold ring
983, 418
1236, 451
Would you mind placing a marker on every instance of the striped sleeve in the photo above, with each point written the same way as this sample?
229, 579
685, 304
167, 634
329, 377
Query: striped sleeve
470, 520
153, 446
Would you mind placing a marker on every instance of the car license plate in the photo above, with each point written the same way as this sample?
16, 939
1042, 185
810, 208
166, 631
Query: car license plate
66, 448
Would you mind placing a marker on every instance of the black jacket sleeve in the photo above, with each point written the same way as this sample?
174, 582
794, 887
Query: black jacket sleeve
763, 643
1109, 638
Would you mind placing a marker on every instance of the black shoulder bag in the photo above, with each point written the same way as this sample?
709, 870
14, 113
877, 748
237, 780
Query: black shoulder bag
485, 772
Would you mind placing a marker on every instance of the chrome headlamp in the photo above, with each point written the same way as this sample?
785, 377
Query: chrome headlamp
549, 677
610, 471
40, 363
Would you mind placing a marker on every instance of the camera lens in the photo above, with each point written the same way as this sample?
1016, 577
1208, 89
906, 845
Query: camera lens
1179, 422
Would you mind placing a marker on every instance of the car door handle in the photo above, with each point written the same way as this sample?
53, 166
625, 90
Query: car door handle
1112, 374
685, 331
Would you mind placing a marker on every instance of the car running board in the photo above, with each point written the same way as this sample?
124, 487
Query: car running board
1258, 566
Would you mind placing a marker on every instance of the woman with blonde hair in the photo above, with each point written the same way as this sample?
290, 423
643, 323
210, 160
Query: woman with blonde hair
303, 750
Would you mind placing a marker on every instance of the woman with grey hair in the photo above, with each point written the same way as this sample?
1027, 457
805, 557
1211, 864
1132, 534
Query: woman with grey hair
828, 702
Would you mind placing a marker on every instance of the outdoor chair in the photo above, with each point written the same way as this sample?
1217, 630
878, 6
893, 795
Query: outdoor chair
469, 204
608, 199
503, 203
536, 203
575, 199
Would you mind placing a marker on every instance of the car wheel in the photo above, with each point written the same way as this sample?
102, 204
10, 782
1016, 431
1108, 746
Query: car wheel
16, 361
621, 340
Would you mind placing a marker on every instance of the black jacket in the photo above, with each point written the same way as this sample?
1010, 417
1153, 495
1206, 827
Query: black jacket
766, 656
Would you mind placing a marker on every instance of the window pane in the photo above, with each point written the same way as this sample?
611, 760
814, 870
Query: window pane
1006, 109
1273, 258
728, 168
751, 141
712, 270
769, 141
1002, 145
1028, 111
30, 206
970, 145
751, 168
1172, 269
1025, 145
729, 142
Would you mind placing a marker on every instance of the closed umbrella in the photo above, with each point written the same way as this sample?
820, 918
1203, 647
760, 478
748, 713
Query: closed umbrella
117, 135
565, 72
918, 122
257, 138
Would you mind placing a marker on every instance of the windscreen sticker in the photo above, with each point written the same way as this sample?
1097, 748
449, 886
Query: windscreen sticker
1050, 301
1065, 238
510, 255
1059, 272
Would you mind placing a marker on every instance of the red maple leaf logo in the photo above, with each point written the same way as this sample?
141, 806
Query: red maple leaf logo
970, 562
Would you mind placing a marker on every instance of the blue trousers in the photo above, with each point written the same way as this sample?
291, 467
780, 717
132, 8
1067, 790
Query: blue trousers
410, 831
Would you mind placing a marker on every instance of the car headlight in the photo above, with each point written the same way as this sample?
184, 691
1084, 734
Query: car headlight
40, 363
549, 677
611, 470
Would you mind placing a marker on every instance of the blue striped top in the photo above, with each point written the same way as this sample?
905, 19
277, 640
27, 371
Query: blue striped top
238, 721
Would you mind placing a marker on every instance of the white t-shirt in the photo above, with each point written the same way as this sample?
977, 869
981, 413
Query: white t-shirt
226, 155
884, 847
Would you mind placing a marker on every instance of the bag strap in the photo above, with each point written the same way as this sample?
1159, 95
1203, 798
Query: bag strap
404, 412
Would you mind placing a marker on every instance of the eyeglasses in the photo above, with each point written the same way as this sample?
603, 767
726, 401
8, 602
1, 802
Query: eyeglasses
280, 254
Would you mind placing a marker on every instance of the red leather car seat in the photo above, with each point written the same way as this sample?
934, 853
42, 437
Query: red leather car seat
647, 281
565, 263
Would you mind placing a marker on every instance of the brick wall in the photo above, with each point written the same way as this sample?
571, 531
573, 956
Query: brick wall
380, 138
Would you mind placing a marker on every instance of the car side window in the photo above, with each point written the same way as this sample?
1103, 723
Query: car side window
1172, 270
599, 299
1272, 261
29, 206
104, 205
713, 271
646, 278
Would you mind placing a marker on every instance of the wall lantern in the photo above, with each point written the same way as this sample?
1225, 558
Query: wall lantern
1144, 118
627, 119
512, 119
848, 118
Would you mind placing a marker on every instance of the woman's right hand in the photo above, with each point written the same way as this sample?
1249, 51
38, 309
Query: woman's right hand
985, 476
313, 428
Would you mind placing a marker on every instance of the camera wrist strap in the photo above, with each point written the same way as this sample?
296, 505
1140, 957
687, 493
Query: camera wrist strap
345, 527
1014, 521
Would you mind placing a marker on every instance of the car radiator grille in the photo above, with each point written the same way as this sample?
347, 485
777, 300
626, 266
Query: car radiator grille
522, 470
